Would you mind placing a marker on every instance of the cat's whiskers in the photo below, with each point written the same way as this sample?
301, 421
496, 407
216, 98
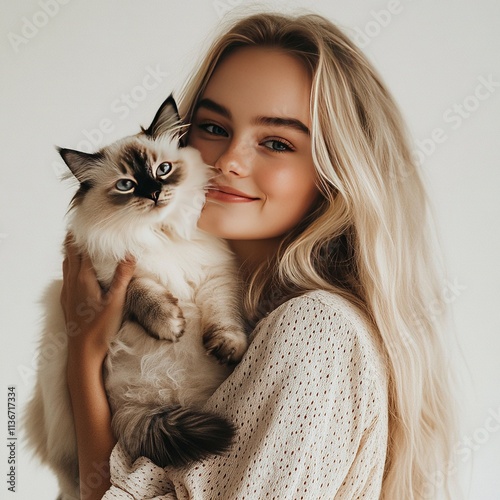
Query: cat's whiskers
215, 202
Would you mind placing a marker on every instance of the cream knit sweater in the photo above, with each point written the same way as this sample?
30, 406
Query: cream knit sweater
309, 400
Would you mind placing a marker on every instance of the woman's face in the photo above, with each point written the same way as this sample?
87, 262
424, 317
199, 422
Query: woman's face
253, 125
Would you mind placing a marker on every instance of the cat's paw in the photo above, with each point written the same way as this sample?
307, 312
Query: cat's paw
154, 308
227, 344
167, 321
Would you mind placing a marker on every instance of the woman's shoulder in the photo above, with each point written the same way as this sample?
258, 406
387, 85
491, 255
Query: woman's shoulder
323, 307
325, 325
330, 302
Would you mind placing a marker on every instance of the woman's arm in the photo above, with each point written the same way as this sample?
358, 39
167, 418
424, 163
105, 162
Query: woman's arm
88, 339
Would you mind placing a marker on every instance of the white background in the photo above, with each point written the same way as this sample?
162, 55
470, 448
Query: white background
69, 75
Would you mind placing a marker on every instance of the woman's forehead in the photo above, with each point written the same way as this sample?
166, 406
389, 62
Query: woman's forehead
262, 80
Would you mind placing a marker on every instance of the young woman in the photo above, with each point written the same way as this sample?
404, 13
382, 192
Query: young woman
344, 391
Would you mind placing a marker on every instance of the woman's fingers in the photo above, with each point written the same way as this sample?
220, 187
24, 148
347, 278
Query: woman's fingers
123, 274
71, 265
72, 254
87, 278
93, 312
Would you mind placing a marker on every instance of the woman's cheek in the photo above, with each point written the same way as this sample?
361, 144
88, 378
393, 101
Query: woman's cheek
274, 181
288, 182
208, 149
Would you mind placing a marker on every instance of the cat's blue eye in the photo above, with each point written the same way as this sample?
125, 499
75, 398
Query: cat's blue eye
163, 169
125, 185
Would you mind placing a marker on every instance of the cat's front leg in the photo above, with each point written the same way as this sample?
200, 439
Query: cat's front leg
226, 342
223, 334
152, 306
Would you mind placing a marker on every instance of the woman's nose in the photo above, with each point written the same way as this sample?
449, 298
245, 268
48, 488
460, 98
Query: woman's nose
235, 159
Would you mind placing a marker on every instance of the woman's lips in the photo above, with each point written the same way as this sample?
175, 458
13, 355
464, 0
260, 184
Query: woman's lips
228, 194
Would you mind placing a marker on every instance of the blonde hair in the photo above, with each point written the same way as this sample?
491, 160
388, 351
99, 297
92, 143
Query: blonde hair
368, 238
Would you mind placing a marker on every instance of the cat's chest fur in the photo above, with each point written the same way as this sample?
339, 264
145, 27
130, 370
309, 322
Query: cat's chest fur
181, 265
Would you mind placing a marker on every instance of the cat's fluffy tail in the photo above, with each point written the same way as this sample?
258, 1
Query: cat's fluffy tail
173, 435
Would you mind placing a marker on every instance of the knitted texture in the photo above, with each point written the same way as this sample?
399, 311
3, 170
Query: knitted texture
309, 400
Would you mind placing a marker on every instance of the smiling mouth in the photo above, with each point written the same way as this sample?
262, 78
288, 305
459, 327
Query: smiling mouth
226, 193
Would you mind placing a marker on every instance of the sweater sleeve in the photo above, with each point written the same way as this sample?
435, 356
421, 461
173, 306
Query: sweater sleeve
140, 479
309, 400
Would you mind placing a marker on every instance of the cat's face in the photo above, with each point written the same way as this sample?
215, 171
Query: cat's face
140, 180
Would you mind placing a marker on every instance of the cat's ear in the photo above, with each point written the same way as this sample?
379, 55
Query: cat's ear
80, 163
166, 120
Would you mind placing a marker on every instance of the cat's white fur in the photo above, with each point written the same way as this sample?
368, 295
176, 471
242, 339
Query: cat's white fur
195, 267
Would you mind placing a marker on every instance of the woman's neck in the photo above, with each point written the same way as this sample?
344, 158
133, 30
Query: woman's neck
252, 253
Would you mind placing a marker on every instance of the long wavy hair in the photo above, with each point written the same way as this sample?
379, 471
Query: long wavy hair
368, 238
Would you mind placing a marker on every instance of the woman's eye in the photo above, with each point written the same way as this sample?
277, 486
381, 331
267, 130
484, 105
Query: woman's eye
163, 169
125, 185
213, 129
279, 146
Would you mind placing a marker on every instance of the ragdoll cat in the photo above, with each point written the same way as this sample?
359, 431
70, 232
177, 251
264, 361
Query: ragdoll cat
142, 196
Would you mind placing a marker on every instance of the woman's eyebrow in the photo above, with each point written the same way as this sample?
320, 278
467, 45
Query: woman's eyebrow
213, 106
279, 121
283, 122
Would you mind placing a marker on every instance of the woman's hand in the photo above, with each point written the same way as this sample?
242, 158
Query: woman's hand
93, 315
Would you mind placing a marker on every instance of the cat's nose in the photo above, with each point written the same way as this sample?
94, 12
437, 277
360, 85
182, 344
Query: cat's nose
154, 196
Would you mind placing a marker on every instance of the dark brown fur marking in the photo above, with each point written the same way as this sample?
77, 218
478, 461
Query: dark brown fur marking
217, 342
155, 309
